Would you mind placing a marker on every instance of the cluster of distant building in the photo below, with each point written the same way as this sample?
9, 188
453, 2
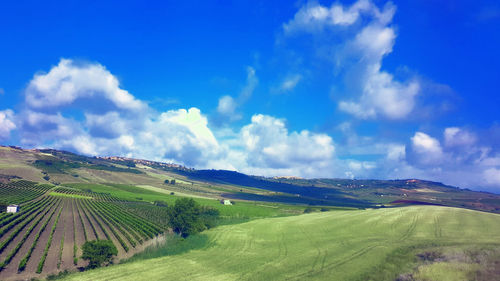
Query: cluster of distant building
141, 161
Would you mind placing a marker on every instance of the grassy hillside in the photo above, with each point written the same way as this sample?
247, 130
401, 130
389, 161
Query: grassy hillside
372, 244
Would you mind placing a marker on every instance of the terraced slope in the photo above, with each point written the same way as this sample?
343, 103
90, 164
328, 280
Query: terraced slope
338, 245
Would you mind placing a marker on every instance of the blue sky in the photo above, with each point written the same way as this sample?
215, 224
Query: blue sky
362, 89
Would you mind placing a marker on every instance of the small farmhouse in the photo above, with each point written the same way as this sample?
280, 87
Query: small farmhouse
226, 202
12, 209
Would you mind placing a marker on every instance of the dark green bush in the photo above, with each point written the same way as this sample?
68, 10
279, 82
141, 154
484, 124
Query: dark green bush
99, 252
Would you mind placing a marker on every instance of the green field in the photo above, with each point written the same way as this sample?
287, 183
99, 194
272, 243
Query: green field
374, 244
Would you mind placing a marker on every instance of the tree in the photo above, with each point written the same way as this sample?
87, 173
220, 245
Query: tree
172, 182
99, 252
185, 217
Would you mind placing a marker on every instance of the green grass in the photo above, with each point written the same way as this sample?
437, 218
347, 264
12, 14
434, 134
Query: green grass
375, 244
171, 245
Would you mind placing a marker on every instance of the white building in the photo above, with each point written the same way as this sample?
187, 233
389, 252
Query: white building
12, 209
226, 202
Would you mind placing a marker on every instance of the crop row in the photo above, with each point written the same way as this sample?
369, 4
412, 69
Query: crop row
75, 247
123, 228
88, 219
85, 235
156, 214
95, 195
95, 215
138, 223
49, 242
21, 191
24, 261
30, 229
20, 223
6, 220
113, 223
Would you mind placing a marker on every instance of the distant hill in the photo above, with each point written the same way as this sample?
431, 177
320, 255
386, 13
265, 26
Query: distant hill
59, 167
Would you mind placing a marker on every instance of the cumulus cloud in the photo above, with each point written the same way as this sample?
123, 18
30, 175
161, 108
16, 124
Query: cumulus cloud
6, 123
270, 145
427, 149
81, 107
70, 81
461, 158
265, 146
375, 93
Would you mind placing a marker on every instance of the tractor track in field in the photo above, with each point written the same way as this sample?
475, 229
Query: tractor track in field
438, 232
411, 228
318, 249
334, 265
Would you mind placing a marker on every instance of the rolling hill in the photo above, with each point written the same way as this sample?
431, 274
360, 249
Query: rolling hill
60, 167
377, 244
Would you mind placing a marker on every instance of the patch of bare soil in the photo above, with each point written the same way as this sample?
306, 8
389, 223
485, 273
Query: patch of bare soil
50, 265
86, 223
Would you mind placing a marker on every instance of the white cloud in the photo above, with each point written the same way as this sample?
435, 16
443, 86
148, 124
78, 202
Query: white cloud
70, 81
61, 112
361, 165
290, 83
381, 94
35, 127
427, 148
373, 93
250, 86
227, 106
455, 137
6, 123
108, 125
313, 16
396, 152
270, 146
492, 176
464, 160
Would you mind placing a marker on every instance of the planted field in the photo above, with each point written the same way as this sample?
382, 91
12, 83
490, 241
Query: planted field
376, 244
17, 192
45, 236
